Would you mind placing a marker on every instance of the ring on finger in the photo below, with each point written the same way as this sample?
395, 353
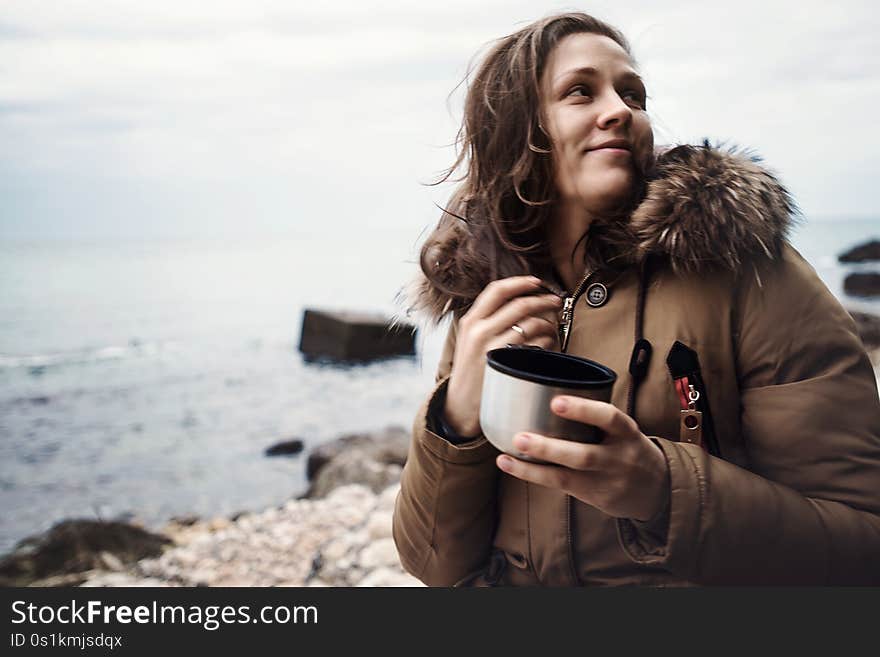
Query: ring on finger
519, 329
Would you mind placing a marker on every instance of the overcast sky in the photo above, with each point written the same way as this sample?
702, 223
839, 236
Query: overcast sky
270, 117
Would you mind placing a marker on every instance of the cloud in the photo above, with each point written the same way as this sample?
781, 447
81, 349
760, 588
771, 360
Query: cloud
291, 98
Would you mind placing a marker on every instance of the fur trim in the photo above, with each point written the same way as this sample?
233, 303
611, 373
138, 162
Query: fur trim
706, 208
709, 208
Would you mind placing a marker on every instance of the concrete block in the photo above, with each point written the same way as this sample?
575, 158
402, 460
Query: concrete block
346, 336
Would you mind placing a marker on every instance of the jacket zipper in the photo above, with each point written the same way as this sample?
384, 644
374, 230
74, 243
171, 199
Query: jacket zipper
564, 334
568, 310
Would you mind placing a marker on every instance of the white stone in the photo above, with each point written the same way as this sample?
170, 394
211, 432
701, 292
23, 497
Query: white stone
387, 497
216, 524
351, 494
379, 525
335, 550
381, 552
111, 562
389, 577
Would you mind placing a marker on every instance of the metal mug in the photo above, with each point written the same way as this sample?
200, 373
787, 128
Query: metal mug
518, 385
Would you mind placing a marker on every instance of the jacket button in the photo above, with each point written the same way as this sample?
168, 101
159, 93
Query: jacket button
597, 295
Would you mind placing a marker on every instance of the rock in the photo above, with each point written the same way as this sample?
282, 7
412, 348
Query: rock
387, 498
862, 284
121, 579
862, 252
72, 579
377, 524
187, 520
378, 554
356, 497
111, 562
389, 577
354, 337
216, 524
374, 460
353, 468
73, 546
389, 445
285, 448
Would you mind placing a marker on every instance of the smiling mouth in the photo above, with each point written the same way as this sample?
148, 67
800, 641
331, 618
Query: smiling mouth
613, 145
611, 150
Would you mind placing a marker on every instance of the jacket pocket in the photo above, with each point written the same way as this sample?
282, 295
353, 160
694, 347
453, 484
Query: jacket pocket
684, 366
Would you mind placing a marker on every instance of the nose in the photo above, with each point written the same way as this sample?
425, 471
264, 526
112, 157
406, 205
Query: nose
614, 112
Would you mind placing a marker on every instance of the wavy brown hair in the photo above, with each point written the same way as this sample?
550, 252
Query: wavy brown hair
494, 224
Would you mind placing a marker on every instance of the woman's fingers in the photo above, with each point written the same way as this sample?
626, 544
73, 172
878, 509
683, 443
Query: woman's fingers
608, 418
571, 454
519, 309
551, 476
530, 330
497, 293
552, 317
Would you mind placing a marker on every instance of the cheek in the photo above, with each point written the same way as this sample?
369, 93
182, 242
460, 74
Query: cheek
568, 137
568, 167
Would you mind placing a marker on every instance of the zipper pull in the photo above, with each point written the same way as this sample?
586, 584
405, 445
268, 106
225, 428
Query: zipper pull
565, 323
568, 310
691, 420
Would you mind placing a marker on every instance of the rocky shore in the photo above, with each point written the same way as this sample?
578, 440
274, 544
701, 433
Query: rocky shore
343, 539
339, 534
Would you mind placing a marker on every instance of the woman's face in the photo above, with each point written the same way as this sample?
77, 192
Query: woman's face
593, 111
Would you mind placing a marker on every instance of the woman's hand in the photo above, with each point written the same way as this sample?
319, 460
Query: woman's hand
625, 476
507, 311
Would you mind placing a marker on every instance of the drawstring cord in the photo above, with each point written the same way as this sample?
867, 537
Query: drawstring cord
641, 354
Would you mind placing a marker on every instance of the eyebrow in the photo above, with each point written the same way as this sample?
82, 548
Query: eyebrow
589, 70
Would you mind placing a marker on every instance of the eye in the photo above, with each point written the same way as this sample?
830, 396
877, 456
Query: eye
580, 91
634, 97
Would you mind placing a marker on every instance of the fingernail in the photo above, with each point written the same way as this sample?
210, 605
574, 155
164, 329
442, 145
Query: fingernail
521, 441
505, 462
559, 404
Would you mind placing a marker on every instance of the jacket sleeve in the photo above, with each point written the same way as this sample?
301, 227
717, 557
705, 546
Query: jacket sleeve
806, 511
445, 513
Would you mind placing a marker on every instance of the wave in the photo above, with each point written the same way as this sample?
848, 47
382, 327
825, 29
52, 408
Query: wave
135, 349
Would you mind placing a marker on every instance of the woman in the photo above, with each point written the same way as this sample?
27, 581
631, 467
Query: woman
673, 270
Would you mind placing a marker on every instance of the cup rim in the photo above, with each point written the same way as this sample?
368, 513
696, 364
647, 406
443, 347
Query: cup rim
610, 375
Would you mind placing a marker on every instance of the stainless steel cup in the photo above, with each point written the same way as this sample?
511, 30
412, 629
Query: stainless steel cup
520, 382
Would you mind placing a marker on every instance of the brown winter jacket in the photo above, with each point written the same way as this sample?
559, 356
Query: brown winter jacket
785, 488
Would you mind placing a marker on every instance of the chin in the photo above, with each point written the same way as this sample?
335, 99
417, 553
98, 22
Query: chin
610, 192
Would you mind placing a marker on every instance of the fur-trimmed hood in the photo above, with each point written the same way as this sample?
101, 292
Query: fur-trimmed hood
705, 208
